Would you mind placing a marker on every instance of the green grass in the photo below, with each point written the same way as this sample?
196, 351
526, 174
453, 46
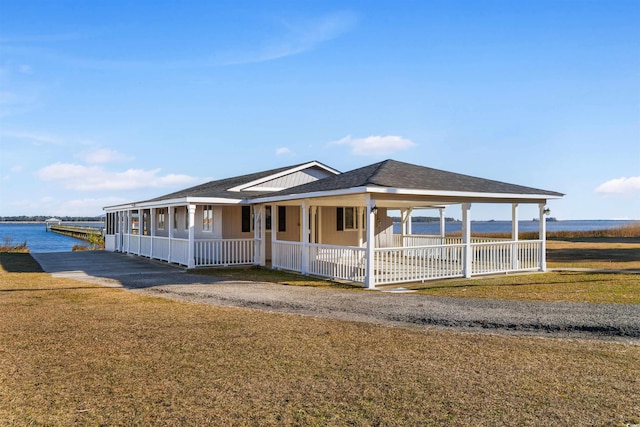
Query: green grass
73, 353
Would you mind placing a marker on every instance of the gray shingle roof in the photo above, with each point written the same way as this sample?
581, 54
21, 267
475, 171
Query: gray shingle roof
220, 187
394, 174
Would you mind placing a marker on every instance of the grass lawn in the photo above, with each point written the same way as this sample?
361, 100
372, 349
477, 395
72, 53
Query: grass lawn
77, 353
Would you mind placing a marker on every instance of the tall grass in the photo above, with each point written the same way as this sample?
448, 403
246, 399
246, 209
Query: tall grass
625, 231
9, 246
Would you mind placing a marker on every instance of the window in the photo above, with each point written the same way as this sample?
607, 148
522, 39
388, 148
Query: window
282, 218
207, 218
267, 214
347, 219
145, 222
160, 219
175, 218
246, 219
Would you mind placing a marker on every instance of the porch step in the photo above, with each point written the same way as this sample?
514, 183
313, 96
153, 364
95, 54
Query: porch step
398, 291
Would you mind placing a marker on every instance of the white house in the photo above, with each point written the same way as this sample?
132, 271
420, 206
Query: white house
312, 219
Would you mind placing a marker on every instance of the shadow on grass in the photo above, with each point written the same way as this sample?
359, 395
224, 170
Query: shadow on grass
19, 262
595, 254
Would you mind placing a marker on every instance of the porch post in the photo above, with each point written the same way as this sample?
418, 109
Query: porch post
466, 239
274, 236
515, 262
153, 230
403, 224
442, 225
361, 227
259, 233
369, 279
543, 237
171, 221
409, 222
129, 229
305, 237
191, 212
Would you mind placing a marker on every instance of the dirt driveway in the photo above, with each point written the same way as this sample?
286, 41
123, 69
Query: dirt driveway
619, 322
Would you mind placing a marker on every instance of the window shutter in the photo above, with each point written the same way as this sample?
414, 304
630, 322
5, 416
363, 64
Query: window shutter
340, 219
282, 218
246, 219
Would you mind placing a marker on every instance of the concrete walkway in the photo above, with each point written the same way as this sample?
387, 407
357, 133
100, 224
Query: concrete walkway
620, 322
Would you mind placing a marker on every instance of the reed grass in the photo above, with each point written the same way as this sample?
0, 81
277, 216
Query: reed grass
626, 231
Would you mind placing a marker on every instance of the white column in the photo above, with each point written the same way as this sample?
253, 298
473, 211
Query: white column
129, 229
442, 225
403, 224
171, 221
191, 211
409, 222
466, 239
543, 237
361, 227
152, 212
319, 224
274, 224
515, 262
305, 237
369, 280
259, 232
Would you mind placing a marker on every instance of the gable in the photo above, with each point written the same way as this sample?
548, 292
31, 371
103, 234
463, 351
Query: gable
291, 180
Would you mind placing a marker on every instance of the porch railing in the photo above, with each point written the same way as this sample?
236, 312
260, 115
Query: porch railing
223, 252
286, 255
417, 263
337, 262
503, 257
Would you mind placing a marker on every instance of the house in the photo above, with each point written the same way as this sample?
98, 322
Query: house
311, 219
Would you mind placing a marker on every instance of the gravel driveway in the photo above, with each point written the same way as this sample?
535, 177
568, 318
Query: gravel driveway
619, 322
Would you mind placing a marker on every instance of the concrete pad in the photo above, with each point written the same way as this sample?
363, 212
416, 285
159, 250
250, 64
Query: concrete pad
107, 268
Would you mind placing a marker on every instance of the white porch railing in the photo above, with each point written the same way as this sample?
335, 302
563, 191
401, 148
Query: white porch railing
219, 252
417, 263
180, 251
286, 255
503, 257
337, 262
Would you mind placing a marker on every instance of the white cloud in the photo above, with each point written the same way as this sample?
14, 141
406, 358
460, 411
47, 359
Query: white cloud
375, 145
306, 35
96, 178
103, 155
620, 186
36, 138
282, 150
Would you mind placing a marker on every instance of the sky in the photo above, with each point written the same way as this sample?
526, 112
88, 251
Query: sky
106, 102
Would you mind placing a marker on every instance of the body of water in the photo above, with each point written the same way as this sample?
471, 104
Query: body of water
505, 226
38, 238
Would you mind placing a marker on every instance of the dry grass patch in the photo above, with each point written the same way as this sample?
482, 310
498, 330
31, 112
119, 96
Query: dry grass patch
72, 353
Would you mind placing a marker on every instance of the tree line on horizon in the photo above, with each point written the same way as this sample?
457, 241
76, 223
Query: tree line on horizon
43, 218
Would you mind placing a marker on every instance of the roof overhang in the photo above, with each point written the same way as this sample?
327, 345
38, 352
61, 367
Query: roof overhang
435, 197
175, 202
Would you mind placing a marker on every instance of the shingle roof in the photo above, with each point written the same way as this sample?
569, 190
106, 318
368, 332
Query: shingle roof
394, 174
220, 187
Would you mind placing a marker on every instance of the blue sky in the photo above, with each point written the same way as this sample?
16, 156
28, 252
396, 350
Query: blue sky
103, 102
